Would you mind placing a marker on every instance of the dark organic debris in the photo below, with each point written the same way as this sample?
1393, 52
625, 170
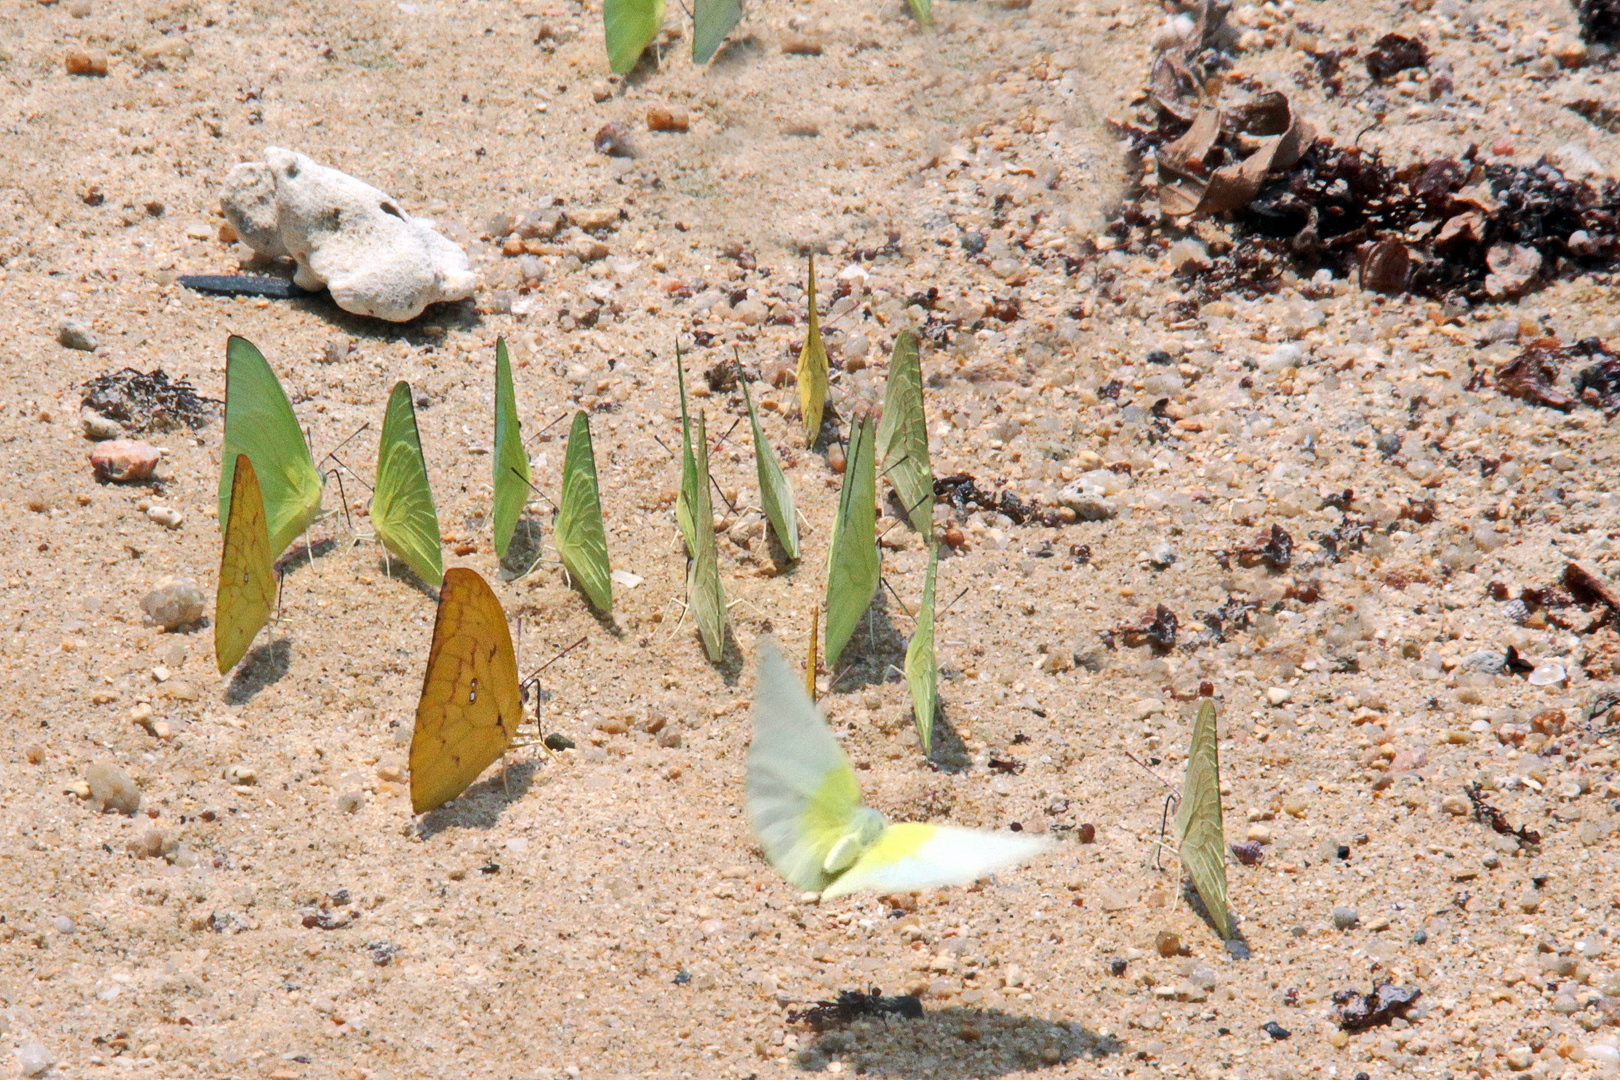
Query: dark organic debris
1347, 536
1486, 814
614, 141
275, 288
722, 377
1274, 547
1589, 590
148, 401
382, 952
962, 491
1394, 54
1514, 664
1234, 615
1249, 852
855, 1005
1600, 21
1006, 765
1275, 1030
1357, 1011
557, 741
1531, 376
1156, 628
322, 919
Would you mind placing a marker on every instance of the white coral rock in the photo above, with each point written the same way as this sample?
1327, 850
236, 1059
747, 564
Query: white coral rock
344, 235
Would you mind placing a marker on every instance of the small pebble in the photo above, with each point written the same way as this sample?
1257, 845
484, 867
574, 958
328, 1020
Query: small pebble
100, 427
240, 775
1258, 834
1520, 1057
166, 516
1167, 943
1345, 918
1087, 832
85, 62
64, 925
1279, 695
1249, 853
800, 45
1547, 673
76, 335
1275, 1030
174, 602
1161, 556
614, 141
33, 1059
667, 118
123, 461
112, 788
1420, 937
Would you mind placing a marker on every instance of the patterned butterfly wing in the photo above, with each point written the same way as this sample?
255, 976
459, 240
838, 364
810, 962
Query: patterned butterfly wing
247, 574
470, 705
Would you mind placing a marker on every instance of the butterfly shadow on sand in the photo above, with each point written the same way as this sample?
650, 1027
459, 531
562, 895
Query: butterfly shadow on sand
264, 666
956, 1044
875, 651
481, 806
1237, 944
524, 552
949, 753
396, 570
298, 557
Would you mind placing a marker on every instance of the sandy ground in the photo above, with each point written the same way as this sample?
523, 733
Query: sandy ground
605, 913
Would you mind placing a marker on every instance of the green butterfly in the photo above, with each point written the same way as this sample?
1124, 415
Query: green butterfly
581, 539
511, 460
402, 512
712, 20
812, 368
703, 587
922, 10
1199, 834
259, 422
922, 670
902, 436
630, 26
689, 483
852, 560
804, 806
775, 492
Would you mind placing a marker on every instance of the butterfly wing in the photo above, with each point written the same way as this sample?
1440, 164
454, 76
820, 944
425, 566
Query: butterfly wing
915, 855
775, 492
689, 485
712, 20
704, 588
470, 707
247, 575
511, 460
922, 11
629, 27
902, 436
812, 368
922, 671
259, 422
802, 795
402, 511
581, 539
1199, 833
852, 559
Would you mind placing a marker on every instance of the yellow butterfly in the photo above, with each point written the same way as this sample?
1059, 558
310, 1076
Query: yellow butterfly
470, 705
247, 574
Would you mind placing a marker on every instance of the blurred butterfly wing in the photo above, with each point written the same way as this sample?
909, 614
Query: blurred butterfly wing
689, 485
259, 422
247, 575
470, 707
922, 11
712, 20
775, 492
402, 511
581, 539
704, 588
922, 671
852, 559
914, 855
802, 795
902, 436
812, 369
511, 460
629, 27
1199, 833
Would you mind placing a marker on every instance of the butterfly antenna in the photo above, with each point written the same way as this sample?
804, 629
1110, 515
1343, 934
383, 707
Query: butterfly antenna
344, 497
1158, 849
536, 674
845, 670
954, 599
534, 489
895, 466
332, 453
667, 450
543, 430
897, 599
716, 485
721, 441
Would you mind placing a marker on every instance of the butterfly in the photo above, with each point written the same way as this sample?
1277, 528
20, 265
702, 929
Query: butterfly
922, 669
902, 436
629, 26
704, 589
812, 368
511, 460
247, 575
259, 422
775, 492
581, 539
804, 806
852, 557
1199, 833
712, 20
470, 706
402, 512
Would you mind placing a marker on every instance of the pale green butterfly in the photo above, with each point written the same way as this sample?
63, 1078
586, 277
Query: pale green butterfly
804, 806
775, 492
1199, 834
630, 26
712, 20
402, 512
689, 484
902, 436
703, 587
259, 422
922, 10
922, 670
812, 368
581, 539
852, 558
511, 460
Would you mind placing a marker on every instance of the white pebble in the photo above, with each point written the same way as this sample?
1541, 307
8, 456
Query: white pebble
33, 1059
64, 925
167, 516
1279, 695
174, 602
